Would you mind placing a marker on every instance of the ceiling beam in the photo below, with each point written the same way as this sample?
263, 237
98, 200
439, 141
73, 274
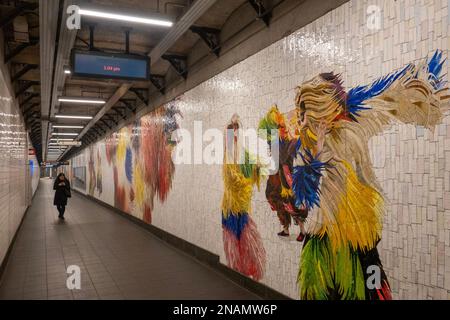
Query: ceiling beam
139, 93
106, 123
123, 115
29, 98
110, 117
129, 106
14, 52
48, 10
195, 11
159, 82
22, 71
178, 62
30, 107
25, 87
262, 13
19, 10
96, 131
210, 36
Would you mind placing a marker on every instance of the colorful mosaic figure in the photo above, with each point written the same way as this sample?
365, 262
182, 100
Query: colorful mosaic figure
141, 157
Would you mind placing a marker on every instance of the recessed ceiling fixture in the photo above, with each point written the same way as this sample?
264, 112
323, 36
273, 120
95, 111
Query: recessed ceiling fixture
67, 127
72, 117
81, 100
121, 17
65, 134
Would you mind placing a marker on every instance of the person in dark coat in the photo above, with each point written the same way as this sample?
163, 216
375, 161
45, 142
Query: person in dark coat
62, 190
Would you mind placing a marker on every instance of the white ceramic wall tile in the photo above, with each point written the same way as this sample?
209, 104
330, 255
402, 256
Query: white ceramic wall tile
14, 180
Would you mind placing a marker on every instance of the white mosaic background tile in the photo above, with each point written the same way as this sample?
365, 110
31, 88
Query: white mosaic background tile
14, 179
411, 163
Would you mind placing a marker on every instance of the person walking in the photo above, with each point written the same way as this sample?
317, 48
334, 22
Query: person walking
62, 192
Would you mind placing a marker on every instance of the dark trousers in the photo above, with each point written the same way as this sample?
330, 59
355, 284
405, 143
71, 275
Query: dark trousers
61, 210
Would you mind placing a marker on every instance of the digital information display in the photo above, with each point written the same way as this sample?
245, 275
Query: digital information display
110, 66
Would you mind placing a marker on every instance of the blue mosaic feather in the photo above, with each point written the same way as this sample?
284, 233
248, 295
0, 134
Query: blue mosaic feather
358, 95
235, 223
434, 69
129, 165
306, 180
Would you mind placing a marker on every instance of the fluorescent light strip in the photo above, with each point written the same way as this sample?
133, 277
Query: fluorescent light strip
61, 139
81, 100
61, 116
113, 16
67, 127
64, 134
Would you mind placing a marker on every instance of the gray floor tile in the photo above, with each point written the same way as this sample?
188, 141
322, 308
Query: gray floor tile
118, 259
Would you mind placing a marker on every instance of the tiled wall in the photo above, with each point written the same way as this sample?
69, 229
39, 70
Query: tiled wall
34, 171
411, 163
14, 179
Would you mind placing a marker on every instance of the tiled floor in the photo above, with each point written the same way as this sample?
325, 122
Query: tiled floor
118, 259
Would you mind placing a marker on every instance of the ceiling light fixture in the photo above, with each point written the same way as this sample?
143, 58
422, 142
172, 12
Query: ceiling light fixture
67, 127
121, 17
64, 134
58, 139
62, 116
81, 100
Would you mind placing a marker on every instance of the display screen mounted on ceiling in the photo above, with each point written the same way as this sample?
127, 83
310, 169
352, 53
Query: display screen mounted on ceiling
93, 64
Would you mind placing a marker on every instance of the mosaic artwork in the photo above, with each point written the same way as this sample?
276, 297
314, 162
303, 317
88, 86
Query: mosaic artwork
95, 172
242, 243
325, 181
141, 157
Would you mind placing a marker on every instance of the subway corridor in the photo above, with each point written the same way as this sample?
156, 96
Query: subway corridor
118, 259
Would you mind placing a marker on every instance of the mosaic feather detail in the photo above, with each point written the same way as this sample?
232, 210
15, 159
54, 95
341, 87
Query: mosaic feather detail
324, 273
129, 164
357, 96
235, 223
245, 253
434, 68
316, 270
272, 123
306, 180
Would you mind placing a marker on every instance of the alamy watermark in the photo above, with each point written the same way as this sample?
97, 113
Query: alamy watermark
238, 146
73, 21
73, 281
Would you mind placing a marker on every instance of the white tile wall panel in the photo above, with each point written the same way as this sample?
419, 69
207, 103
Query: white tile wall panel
14, 181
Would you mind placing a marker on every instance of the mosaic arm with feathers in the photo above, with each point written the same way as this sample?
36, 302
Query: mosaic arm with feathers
338, 185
